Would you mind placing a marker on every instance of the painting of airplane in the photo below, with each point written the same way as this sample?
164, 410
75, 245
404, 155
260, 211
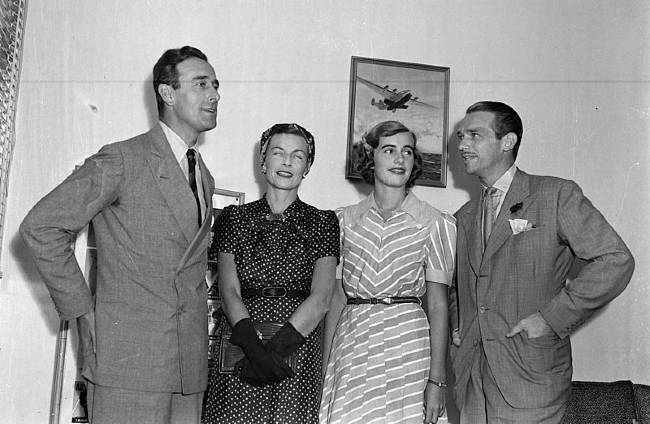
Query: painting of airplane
391, 99
415, 94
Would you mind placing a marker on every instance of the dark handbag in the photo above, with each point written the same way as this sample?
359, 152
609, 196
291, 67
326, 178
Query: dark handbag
230, 354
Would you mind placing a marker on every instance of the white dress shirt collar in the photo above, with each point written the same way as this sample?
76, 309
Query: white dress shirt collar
179, 147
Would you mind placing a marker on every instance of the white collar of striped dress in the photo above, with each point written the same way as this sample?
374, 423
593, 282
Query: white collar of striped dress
409, 205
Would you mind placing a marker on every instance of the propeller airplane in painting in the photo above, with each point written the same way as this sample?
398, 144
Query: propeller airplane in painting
392, 98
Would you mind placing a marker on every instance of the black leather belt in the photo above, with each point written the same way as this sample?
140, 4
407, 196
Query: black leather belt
274, 292
383, 300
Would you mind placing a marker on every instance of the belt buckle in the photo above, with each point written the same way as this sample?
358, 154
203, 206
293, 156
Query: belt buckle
273, 292
387, 300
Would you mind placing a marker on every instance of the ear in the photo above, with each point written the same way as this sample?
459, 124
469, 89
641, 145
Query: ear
166, 93
508, 142
304, 174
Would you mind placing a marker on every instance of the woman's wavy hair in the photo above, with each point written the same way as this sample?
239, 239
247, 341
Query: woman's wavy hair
363, 158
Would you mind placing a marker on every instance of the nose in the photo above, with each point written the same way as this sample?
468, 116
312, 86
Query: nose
399, 158
214, 96
463, 142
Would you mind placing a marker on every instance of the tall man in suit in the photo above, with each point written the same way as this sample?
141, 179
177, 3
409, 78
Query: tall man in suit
149, 201
512, 310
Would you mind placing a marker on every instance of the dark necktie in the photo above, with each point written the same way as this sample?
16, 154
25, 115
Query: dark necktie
191, 166
490, 202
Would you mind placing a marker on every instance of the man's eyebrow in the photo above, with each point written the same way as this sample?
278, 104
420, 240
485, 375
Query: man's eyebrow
205, 78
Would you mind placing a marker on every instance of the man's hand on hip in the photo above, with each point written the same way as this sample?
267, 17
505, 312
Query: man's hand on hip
534, 326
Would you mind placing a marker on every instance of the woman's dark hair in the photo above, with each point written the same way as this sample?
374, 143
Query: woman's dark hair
292, 129
362, 154
165, 72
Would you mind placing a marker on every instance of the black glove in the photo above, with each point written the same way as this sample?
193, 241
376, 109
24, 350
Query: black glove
259, 367
286, 341
244, 369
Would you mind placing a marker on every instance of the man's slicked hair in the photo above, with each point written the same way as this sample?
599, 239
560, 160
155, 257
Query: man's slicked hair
506, 120
165, 72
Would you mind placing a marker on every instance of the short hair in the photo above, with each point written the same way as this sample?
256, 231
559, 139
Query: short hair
506, 120
364, 161
165, 71
291, 129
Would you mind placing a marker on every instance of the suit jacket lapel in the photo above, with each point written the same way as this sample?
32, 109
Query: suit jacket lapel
518, 192
208, 190
206, 226
471, 223
173, 186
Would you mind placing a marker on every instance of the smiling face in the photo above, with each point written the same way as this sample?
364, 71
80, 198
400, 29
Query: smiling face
393, 158
483, 154
287, 161
192, 107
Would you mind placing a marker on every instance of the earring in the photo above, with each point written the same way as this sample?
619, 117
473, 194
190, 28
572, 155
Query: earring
263, 169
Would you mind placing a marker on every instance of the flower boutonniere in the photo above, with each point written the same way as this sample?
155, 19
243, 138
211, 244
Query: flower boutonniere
520, 226
514, 208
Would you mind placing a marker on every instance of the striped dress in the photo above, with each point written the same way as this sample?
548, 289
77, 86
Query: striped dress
379, 362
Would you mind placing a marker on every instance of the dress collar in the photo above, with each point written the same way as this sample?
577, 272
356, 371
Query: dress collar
294, 210
409, 205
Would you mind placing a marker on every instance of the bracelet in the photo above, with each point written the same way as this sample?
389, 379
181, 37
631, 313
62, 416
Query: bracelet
437, 383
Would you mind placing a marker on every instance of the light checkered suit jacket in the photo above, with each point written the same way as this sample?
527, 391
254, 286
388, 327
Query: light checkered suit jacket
150, 303
521, 274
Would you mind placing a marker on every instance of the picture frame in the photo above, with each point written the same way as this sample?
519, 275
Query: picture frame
414, 94
220, 199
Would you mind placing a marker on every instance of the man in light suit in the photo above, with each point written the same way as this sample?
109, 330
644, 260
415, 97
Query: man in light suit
512, 309
149, 201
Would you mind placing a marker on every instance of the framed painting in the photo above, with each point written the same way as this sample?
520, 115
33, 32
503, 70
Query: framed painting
414, 94
220, 199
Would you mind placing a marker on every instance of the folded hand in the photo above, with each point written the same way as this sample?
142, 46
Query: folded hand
262, 371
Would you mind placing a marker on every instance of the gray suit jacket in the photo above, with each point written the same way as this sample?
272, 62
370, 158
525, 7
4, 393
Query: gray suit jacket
150, 303
521, 274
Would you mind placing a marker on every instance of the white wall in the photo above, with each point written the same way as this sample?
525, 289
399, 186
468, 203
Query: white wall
577, 72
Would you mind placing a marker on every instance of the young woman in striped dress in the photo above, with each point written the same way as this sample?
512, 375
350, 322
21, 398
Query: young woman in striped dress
386, 349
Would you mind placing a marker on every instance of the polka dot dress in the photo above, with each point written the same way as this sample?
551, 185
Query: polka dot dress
273, 251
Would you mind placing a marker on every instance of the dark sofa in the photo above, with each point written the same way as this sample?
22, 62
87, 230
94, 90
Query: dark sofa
615, 402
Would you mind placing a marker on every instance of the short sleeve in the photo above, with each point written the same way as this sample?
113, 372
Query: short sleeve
225, 231
441, 250
329, 240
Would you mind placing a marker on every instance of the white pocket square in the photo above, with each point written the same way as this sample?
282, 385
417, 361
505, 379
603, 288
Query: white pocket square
520, 225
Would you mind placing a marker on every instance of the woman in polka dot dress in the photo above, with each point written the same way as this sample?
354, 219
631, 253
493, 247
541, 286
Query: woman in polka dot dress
276, 258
